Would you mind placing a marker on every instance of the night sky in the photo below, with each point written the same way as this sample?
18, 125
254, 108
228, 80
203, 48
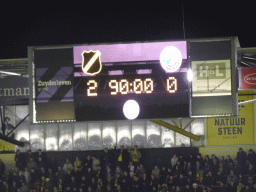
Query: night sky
85, 22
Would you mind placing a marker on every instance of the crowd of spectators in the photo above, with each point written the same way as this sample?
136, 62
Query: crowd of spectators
121, 170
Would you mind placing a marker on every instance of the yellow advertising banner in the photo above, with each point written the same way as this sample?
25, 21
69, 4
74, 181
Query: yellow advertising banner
233, 131
6, 146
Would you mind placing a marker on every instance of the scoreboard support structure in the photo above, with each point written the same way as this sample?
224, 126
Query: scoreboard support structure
177, 129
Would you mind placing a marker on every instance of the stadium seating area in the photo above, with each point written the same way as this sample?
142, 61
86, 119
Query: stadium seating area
123, 170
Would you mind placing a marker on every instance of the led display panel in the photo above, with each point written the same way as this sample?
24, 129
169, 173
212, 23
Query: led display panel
128, 81
214, 82
51, 84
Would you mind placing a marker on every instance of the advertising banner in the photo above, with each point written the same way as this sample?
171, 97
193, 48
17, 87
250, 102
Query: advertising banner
214, 82
53, 100
211, 78
248, 77
14, 91
233, 131
6, 146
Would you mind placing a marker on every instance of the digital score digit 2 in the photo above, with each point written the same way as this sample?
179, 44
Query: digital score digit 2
138, 86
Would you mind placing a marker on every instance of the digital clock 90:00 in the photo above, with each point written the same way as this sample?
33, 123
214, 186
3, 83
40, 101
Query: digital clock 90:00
138, 86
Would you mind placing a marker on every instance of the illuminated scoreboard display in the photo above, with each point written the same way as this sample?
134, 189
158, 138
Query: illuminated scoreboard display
128, 81
142, 80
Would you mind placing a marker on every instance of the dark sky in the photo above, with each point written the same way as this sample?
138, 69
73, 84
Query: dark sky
86, 23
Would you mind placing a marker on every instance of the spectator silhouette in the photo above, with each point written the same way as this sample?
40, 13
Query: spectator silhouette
241, 158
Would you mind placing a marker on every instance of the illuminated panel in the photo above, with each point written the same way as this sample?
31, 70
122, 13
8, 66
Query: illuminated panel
22, 133
37, 137
132, 72
123, 133
138, 134
167, 137
153, 135
51, 84
80, 141
51, 137
116, 72
211, 78
214, 82
111, 93
144, 71
180, 139
109, 134
94, 136
197, 127
65, 136
149, 51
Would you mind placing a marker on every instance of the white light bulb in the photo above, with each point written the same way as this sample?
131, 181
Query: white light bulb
131, 109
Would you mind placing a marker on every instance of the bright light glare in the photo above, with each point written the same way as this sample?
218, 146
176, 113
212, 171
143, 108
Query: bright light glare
93, 132
51, 143
123, 133
79, 135
108, 132
190, 75
10, 73
138, 132
23, 134
131, 109
170, 59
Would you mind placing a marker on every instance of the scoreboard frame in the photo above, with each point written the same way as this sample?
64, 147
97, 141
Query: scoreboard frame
142, 86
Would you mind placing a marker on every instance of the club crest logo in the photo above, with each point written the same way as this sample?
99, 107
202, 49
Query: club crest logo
91, 62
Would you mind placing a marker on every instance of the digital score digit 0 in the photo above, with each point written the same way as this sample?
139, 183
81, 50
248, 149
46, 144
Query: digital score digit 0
149, 85
171, 84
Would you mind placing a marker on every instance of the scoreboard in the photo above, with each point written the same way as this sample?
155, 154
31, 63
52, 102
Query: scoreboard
134, 72
119, 81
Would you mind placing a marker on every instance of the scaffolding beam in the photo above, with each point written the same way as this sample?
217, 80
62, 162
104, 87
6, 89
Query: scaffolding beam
13, 141
176, 129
